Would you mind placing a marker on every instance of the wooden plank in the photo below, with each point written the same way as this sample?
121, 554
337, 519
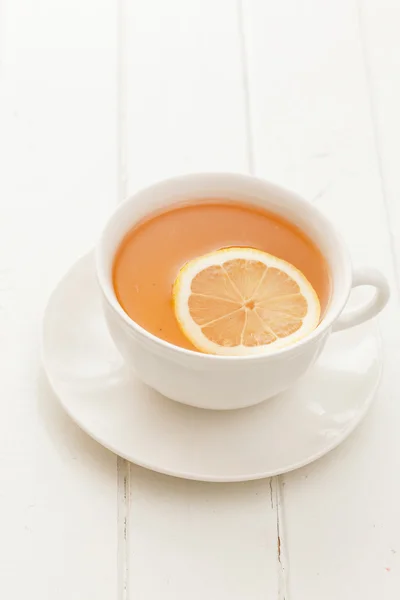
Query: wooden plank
378, 22
313, 131
185, 97
199, 540
58, 155
185, 111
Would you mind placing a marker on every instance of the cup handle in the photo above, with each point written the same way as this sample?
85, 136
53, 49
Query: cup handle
373, 278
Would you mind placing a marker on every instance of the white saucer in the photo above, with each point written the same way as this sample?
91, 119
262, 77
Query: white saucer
117, 410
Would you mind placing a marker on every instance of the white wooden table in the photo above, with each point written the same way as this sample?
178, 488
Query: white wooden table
98, 98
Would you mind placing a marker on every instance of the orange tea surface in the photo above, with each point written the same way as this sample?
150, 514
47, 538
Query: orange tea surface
152, 253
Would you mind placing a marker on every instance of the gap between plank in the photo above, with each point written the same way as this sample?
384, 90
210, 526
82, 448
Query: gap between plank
276, 495
122, 136
123, 466
246, 90
123, 502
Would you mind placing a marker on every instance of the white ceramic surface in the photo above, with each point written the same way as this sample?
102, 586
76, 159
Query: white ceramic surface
227, 382
100, 393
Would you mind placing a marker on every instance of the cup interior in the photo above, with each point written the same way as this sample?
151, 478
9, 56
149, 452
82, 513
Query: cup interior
245, 189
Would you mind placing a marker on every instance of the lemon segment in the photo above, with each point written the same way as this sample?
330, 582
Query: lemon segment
242, 301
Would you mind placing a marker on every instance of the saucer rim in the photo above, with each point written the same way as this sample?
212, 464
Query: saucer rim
193, 476
219, 479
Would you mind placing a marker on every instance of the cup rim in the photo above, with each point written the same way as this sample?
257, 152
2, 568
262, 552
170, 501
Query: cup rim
107, 288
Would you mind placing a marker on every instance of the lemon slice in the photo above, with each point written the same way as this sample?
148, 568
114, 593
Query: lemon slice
242, 301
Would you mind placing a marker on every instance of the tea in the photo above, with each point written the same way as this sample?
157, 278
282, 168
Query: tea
152, 253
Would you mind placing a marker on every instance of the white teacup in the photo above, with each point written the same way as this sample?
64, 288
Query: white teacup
222, 382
